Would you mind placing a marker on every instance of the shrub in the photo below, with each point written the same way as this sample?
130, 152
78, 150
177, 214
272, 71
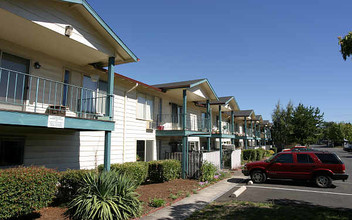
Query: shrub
164, 170
26, 189
138, 171
70, 181
207, 172
106, 195
157, 202
250, 154
260, 154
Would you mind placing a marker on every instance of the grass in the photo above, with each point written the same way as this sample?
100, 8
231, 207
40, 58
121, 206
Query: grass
251, 210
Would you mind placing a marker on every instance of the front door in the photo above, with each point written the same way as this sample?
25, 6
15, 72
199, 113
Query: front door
140, 150
281, 167
89, 93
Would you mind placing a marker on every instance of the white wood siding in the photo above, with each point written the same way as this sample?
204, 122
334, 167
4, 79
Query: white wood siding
56, 16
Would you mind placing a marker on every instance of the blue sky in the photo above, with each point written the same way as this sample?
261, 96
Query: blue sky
258, 51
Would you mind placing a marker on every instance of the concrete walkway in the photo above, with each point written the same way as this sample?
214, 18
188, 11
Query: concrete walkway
185, 207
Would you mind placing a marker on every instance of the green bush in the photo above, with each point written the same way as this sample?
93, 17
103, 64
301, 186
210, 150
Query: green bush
70, 181
250, 155
207, 172
138, 171
157, 202
260, 153
164, 170
26, 189
106, 195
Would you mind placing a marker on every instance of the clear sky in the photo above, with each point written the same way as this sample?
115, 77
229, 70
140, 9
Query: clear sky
258, 51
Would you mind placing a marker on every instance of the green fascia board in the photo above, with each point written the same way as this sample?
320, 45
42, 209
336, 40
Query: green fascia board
41, 120
104, 25
203, 81
223, 136
180, 133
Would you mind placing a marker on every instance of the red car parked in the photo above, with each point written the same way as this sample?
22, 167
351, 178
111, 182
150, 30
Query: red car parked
322, 167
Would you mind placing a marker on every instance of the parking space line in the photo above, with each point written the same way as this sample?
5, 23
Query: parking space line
300, 190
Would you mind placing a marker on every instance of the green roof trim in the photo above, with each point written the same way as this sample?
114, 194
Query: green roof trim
104, 25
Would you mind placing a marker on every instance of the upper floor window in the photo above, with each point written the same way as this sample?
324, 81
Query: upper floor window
145, 105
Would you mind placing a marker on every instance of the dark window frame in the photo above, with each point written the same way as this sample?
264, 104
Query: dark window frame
21, 145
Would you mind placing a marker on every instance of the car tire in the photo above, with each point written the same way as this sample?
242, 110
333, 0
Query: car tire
323, 180
258, 176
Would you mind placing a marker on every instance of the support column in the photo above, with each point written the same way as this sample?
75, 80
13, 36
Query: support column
220, 139
232, 126
259, 132
208, 124
184, 138
109, 113
265, 136
252, 133
255, 133
245, 134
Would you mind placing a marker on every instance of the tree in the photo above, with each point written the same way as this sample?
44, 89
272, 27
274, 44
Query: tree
306, 122
346, 45
296, 125
282, 126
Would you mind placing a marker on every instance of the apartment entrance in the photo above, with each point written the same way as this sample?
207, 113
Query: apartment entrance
145, 150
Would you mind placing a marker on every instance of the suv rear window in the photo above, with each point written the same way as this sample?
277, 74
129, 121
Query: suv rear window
329, 158
304, 158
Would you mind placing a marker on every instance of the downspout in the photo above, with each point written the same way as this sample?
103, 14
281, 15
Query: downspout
124, 120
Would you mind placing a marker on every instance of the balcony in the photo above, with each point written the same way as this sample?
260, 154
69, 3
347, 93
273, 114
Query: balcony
25, 93
174, 122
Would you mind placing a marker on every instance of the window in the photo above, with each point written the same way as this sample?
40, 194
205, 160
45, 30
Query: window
329, 158
11, 151
145, 106
284, 158
193, 146
304, 158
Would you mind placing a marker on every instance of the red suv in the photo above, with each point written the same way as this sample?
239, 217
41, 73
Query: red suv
322, 167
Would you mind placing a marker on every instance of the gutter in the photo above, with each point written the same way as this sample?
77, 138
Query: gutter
124, 120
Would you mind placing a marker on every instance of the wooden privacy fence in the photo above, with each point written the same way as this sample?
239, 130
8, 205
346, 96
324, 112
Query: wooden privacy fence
194, 162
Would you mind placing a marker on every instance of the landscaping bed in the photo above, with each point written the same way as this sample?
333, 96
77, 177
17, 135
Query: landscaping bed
251, 210
167, 191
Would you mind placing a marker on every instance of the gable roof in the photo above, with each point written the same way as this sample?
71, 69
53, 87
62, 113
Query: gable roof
105, 26
258, 117
243, 113
185, 84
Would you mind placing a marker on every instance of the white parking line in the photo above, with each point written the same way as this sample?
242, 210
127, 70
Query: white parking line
300, 190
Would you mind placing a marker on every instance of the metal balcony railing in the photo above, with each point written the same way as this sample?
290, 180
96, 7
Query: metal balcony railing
24, 92
175, 122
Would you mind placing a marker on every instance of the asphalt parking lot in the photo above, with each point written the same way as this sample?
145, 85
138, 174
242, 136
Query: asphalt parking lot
301, 192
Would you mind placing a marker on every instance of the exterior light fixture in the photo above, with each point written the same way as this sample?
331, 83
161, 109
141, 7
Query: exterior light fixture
68, 30
37, 65
94, 77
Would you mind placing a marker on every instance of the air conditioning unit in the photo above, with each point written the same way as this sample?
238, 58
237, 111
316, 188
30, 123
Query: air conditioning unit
149, 126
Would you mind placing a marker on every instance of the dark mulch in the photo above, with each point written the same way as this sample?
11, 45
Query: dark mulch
177, 189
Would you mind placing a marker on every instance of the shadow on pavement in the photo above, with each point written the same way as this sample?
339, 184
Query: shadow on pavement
272, 209
237, 180
184, 210
293, 202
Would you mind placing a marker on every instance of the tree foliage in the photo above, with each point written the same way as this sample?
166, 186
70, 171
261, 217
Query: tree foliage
337, 132
346, 45
298, 124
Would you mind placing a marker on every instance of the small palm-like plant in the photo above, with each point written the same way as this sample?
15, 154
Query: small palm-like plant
106, 195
